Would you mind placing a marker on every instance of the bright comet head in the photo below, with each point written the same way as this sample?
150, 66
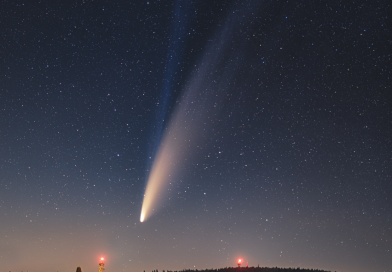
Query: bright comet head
141, 217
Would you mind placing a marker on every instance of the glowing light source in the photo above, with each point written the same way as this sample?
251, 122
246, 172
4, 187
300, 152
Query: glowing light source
142, 217
101, 265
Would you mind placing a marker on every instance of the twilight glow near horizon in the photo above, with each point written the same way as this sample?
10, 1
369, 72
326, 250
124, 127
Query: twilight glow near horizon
171, 135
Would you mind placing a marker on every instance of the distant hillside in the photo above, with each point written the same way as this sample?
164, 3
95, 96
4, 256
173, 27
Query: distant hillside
252, 269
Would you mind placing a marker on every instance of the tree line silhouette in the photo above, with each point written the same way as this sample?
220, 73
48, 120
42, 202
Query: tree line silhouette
241, 269
250, 269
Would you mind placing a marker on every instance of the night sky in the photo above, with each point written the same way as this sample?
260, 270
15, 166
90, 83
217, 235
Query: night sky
280, 118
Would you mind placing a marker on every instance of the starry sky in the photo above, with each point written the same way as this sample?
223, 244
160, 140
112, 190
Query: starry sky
281, 111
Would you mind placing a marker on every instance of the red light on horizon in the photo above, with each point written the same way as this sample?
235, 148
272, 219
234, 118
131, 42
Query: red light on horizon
239, 261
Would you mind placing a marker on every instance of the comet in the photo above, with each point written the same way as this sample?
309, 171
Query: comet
193, 113
160, 175
168, 152
171, 153
180, 136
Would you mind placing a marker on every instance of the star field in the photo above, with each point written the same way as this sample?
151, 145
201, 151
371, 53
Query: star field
281, 116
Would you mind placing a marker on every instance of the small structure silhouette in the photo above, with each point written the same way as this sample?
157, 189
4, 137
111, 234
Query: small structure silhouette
101, 265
